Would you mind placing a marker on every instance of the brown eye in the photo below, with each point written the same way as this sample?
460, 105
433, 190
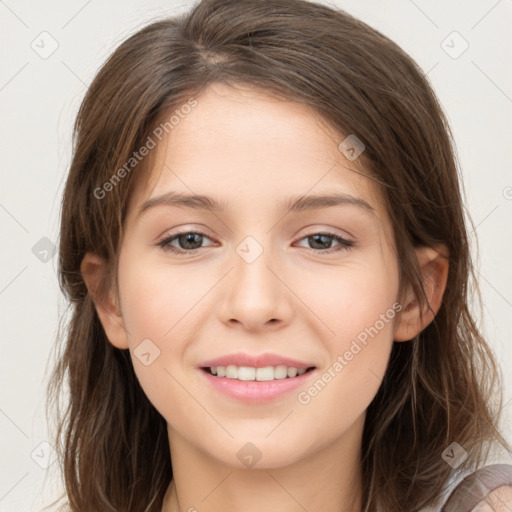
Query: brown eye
189, 242
322, 242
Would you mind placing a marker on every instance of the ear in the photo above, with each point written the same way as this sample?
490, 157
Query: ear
433, 262
93, 269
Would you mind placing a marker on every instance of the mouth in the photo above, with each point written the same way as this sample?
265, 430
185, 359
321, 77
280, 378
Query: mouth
261, 374
256, 385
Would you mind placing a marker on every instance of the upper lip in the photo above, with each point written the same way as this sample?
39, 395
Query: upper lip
255, 361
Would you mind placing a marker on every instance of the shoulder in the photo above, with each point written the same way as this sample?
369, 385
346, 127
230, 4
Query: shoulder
487, 489
498, 500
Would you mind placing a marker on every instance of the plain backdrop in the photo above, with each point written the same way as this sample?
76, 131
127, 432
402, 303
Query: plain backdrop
49, 53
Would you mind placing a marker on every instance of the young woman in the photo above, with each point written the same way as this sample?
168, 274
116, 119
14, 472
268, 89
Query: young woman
264, 247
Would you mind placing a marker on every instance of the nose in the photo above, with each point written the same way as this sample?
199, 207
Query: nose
255, 294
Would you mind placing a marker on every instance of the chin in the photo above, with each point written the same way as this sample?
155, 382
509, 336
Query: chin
259, 452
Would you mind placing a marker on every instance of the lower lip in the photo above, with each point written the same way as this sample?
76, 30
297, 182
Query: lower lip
254, 391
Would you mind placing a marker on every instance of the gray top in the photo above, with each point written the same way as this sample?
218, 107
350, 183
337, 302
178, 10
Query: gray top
466, 492
476, 486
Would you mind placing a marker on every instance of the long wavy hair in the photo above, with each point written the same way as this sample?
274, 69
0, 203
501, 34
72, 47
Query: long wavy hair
440, 387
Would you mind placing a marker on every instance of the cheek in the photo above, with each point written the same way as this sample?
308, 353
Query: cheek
164, 308
350, 298
357, 309
159, 300
358, 357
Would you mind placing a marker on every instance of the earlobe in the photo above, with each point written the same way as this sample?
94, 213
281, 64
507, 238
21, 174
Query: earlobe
433, 262
93, 269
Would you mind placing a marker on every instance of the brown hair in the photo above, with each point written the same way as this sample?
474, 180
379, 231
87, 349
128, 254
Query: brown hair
112, 442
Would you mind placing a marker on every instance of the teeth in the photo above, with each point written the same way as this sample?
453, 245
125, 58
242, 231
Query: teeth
260, 374
244, 373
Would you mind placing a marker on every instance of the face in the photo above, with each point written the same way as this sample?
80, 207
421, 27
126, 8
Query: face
316, 283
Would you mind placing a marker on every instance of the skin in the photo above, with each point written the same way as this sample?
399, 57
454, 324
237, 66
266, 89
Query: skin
253, 151
499, 500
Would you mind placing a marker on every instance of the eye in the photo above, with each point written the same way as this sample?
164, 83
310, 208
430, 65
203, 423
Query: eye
321, 240
189, 240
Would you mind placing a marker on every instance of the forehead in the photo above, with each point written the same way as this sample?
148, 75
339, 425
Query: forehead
250, 150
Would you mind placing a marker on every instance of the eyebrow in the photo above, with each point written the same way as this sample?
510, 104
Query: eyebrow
293, 204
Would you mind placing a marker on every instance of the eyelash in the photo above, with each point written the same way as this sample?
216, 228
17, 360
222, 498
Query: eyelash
165, 243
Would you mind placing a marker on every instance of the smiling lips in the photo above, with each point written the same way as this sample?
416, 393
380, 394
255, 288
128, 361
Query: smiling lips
255, 379
255, 361
265, 373
263, 367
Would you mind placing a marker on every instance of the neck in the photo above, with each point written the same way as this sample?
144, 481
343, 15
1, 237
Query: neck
329, 479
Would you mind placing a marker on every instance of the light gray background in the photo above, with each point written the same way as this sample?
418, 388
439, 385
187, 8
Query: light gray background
39, 98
